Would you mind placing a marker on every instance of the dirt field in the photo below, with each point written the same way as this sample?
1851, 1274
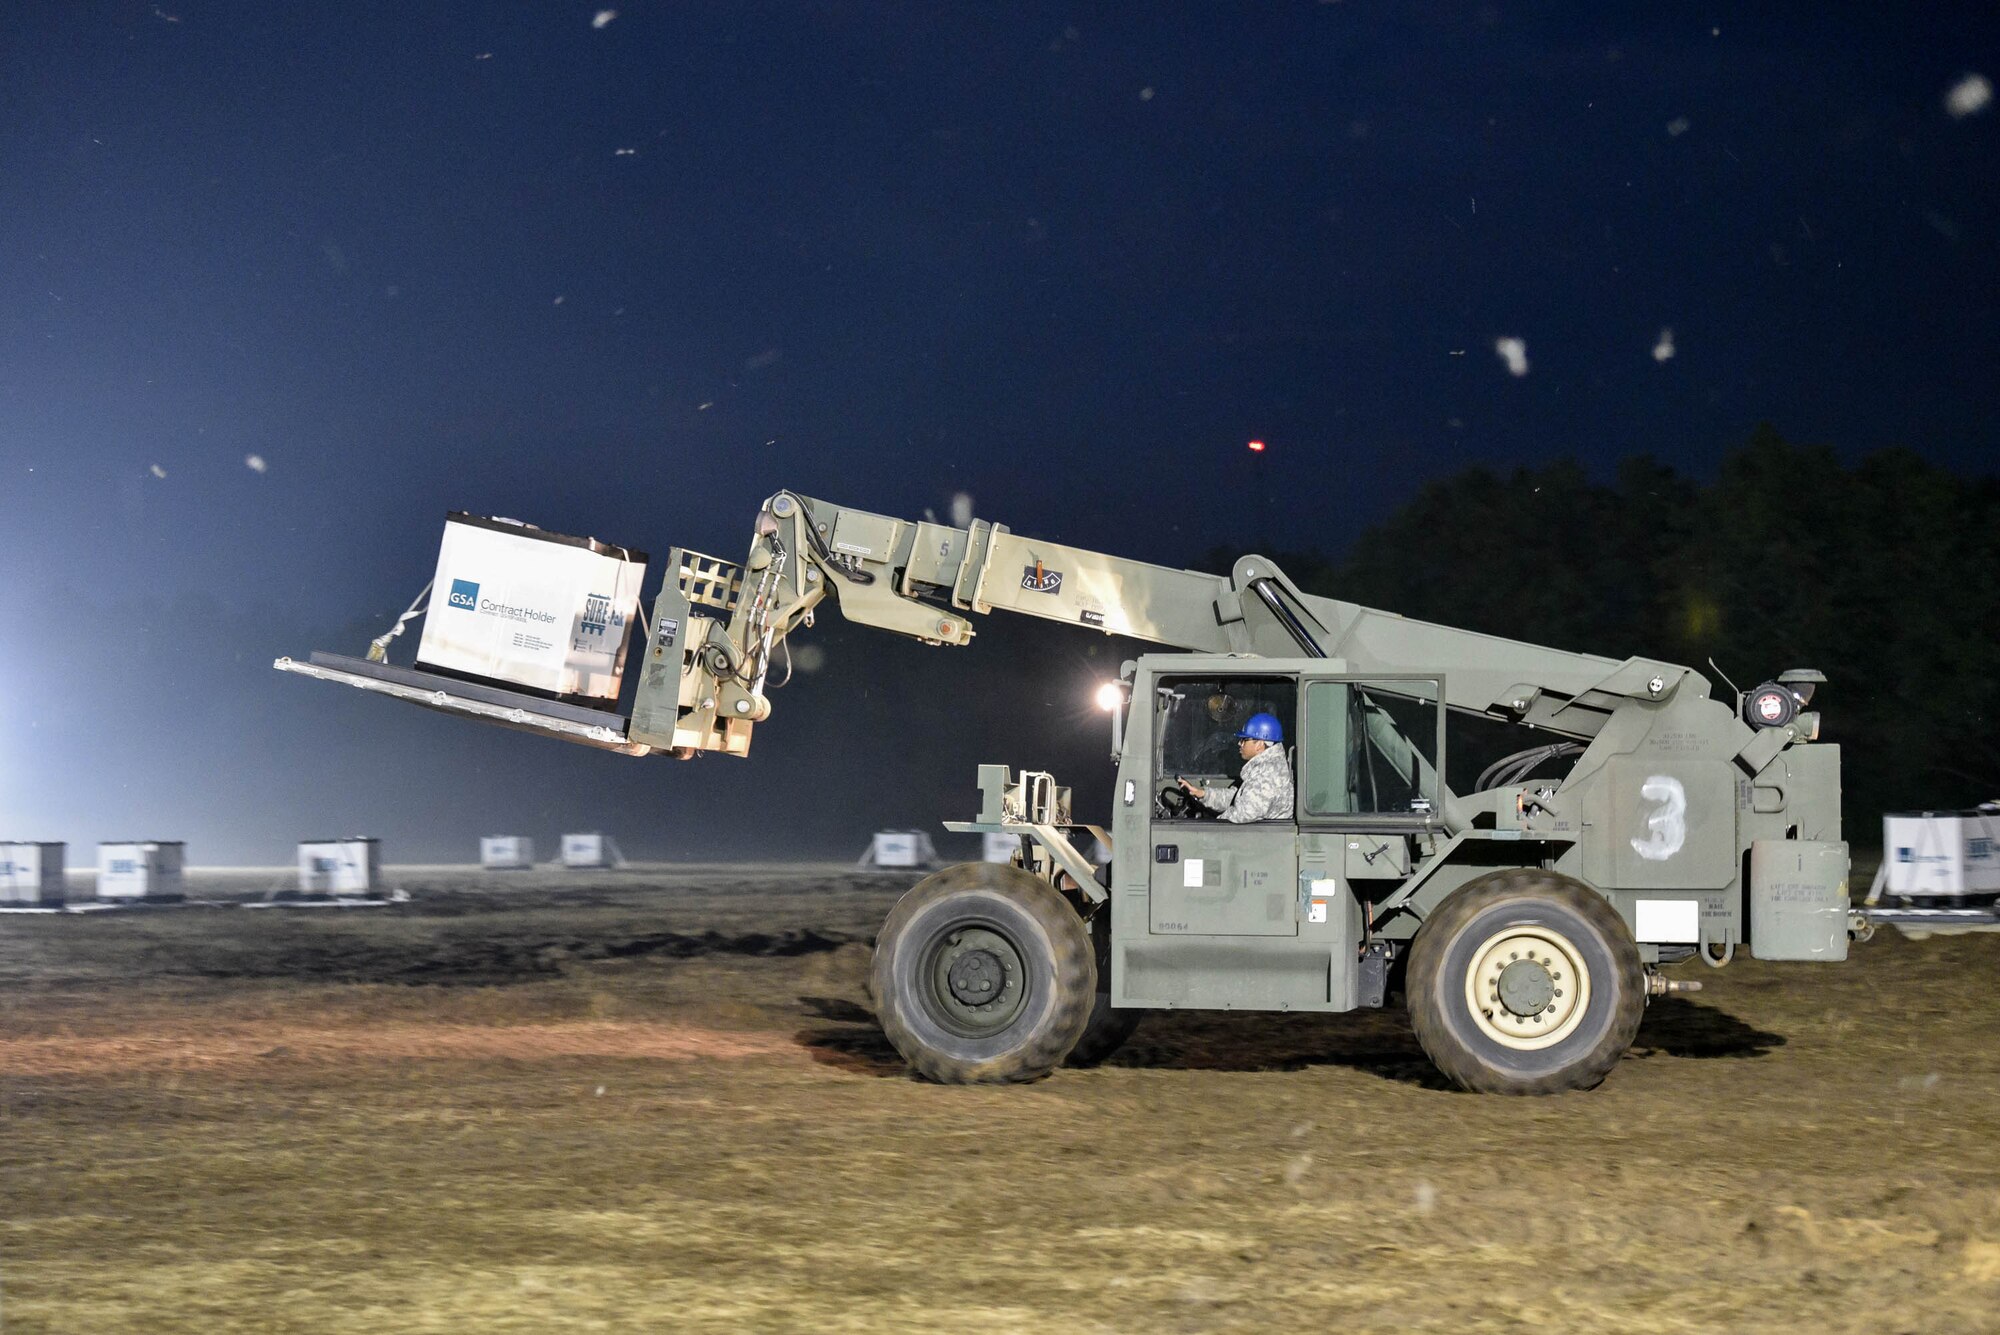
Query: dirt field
653, 1100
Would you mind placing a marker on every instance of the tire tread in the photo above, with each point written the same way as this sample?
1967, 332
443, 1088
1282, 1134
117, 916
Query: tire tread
1427, 954
1074, 978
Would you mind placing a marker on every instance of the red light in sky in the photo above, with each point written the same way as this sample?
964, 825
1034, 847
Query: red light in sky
1257, 446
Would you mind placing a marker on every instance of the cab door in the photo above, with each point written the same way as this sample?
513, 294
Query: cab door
1209, 877
1370, 779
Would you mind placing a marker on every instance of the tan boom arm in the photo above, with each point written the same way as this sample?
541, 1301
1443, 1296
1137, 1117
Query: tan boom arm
718, 627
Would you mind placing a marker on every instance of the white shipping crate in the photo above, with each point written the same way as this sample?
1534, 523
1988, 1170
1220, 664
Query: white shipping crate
506, 852
1941, 852
591, 850
141, 869
31, 873
340, 866
1000, 847
520, 605
900, 848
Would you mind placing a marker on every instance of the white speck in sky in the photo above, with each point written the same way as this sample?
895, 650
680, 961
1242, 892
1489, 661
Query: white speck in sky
602, 17
1678, 126
706, 406
1968, 95
1145, 94
255, 463
560, 300
624, 152
1514, 352
484, 55
157, 471
1663, 351
961, 510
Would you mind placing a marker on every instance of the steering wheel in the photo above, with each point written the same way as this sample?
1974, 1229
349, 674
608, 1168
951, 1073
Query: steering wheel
1174, 803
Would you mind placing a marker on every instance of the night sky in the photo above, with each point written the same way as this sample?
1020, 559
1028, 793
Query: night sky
281, 284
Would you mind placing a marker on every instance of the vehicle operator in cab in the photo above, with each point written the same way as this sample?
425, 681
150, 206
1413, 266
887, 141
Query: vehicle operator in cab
1264, 790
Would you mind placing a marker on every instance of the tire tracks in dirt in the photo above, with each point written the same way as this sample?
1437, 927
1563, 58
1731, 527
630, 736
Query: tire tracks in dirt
221, 1049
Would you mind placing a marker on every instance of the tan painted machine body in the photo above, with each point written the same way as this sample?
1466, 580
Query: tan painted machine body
1704, 826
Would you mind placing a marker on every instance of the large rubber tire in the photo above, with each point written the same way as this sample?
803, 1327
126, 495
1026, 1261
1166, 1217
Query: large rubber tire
983, 974
1545, 939
1108, 1027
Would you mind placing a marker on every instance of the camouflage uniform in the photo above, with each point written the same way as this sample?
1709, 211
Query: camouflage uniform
1264, 792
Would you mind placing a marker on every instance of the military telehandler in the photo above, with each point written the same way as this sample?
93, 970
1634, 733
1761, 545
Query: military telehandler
1524, 921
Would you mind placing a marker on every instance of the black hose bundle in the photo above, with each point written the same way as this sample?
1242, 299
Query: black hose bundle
1510, 770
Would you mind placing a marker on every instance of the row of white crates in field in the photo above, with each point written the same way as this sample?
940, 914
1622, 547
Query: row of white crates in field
516, 852
133, 871
913, 849
33, 874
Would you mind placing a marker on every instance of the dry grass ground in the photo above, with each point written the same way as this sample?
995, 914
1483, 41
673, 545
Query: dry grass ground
655, 1101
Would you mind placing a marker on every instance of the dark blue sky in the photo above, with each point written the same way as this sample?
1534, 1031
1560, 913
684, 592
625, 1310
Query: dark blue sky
628, 279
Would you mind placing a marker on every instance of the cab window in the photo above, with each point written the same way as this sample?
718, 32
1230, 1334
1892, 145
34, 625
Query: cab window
1198, 718
1370, 748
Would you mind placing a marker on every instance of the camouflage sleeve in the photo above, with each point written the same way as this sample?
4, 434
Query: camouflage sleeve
1264, 794
1218, 795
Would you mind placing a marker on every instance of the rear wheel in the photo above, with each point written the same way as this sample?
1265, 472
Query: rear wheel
983, 974
1525, 982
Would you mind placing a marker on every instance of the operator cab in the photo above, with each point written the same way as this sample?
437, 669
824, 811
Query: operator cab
1267, 914
1360, 750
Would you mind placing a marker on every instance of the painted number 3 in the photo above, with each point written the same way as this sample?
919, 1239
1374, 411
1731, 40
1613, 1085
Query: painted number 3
1666, 823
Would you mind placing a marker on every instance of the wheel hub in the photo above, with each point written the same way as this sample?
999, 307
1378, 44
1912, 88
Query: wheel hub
978, 980
1527, 986
976, 977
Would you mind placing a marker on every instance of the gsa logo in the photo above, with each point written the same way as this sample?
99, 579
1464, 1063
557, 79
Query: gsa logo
465, 594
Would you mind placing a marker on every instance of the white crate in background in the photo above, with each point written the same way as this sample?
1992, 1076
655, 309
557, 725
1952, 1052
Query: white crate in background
141, 869
900, 848
31, 873
1941, 852
340, 866
506, 852
591, 850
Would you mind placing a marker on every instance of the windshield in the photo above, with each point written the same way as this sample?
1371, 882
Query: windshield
1200, 717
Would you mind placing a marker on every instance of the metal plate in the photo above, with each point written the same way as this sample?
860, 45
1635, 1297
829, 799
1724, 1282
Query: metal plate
524, 713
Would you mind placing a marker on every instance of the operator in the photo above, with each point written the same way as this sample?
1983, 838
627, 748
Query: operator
1264, 790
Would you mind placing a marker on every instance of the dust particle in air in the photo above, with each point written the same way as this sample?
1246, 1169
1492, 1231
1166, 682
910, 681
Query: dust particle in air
1970, 94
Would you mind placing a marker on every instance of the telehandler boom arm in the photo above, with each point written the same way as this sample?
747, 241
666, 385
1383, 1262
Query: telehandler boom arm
718, 626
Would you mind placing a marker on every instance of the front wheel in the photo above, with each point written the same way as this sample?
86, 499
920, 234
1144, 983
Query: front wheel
1525, 982
983, 974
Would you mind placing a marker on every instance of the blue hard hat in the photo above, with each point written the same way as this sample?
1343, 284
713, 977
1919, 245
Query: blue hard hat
1262, 728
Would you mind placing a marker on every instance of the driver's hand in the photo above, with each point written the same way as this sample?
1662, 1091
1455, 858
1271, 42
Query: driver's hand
1191, 790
